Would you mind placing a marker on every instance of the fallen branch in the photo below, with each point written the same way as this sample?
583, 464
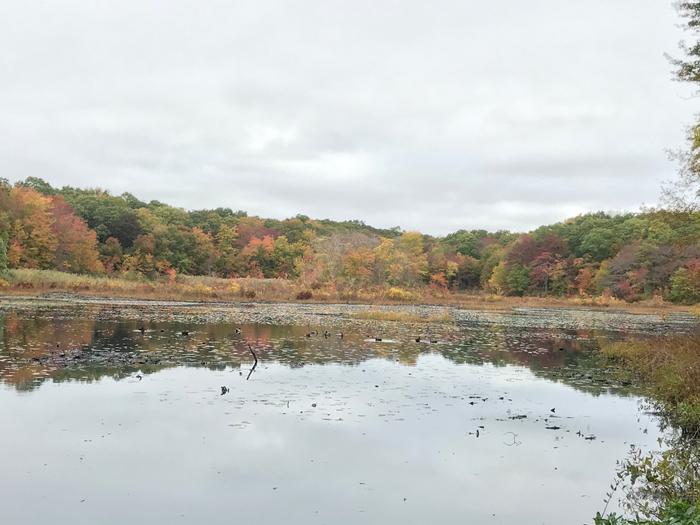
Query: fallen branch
254, 364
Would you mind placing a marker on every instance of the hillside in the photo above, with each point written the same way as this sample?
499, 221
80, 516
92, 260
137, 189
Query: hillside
89, 231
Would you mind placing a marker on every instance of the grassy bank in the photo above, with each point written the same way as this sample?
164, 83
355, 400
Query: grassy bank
213, 289
182, 288
663, 488
671, 369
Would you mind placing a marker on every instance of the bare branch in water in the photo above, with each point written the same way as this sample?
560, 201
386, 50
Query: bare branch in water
254, 364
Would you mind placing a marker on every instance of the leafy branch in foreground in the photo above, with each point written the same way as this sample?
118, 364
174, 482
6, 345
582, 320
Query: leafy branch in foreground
684, 193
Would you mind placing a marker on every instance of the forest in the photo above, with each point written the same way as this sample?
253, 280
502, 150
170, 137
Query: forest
631, 256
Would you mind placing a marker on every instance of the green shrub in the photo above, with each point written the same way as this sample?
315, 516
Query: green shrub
676, 513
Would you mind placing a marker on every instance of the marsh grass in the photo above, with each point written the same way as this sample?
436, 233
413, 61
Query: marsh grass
197, 288
670, 367
402, 316
50, 279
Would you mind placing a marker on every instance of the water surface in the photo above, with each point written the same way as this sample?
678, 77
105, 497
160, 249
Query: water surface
114, 413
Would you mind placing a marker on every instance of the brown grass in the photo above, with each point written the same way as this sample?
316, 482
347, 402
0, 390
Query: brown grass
215, 289
184, 288
671, 368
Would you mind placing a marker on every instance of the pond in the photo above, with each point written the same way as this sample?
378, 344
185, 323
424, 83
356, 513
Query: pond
116, 412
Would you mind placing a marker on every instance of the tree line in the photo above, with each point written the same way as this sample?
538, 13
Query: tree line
629, 256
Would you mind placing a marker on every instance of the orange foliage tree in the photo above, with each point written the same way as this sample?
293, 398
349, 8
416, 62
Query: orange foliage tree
32, 240
76, 244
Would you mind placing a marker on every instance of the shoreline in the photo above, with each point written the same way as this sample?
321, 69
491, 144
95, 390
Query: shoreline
458, 302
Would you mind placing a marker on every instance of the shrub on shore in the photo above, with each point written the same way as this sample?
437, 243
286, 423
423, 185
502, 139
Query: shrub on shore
663, 487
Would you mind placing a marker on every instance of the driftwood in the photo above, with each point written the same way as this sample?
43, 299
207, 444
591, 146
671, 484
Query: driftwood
254, 364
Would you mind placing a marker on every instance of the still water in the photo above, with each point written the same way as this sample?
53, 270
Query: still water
114, 413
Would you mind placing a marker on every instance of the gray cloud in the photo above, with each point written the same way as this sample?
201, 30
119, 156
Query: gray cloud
432, 116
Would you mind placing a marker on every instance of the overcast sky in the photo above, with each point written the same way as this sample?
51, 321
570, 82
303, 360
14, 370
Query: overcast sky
430, 115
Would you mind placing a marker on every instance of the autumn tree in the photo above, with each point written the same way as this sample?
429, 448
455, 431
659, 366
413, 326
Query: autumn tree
258, 256
584, 280
32, 240
468, 273
402, 261
203, 253
286, 256
111, 254
542, 270
522, 251
227, 263
141, 260
490, 258
497, 280
358, 268
685, 284
450, 269
76, 244
252, 227
331, 254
